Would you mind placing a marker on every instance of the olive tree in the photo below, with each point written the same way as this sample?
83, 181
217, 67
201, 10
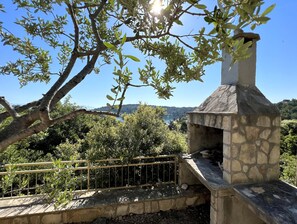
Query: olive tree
89, 34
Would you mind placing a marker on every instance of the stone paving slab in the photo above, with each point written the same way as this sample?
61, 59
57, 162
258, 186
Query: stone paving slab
274, 202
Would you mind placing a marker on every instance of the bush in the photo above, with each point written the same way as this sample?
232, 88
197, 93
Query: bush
288, 168
288, 142
60, 184
102, 140
140, 134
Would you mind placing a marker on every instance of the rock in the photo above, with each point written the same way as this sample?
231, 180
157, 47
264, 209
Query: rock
184, 186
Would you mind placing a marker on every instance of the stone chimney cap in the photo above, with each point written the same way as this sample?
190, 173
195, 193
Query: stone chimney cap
247, 36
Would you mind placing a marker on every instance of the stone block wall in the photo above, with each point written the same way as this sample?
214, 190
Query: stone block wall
227, 209
252, 154
218, 208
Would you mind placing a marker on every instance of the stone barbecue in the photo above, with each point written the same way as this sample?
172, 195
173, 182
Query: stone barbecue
234, 140
238, 121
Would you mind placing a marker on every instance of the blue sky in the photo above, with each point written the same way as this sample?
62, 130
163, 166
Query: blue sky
276, 71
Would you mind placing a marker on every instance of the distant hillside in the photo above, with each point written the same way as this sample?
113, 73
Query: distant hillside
173, 113
288, 109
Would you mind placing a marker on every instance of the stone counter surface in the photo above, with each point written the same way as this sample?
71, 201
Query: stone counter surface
210, 176
274, 202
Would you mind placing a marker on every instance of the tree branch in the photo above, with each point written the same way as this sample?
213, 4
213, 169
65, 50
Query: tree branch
89, 66
75, 26
68, 36
137, 37
86, 53
8, 107
121, 103
46, 103
19, 135
87, 69
100, 8
93, 21
194, 13
25, 130
19, 109
138, 86
183, 42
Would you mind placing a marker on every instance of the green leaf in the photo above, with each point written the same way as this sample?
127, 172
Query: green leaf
262, 19
111, 2
124, 39
109, 46
230, 26
268, 10
213, 31
114, 90
121, 99
248, 8
177, 21
200, 6
208, 19
116, 61
118, 34
109, 97
192, 1
6, 43
132, 57
253, 26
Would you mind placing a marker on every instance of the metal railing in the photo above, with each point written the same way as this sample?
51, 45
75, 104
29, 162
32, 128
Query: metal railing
29, 178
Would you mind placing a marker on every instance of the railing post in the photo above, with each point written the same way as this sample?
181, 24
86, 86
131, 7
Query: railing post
88, 179
175, 169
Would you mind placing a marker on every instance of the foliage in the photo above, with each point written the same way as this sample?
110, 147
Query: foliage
288, 142
67, 150
288, 147
175, 143
288, 168
7, 180
12, 179
103, 139
142, 133
288, 109
70, 40
60, 184
19, 153
179, 124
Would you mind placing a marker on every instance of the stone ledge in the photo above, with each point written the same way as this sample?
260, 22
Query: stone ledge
88, 207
